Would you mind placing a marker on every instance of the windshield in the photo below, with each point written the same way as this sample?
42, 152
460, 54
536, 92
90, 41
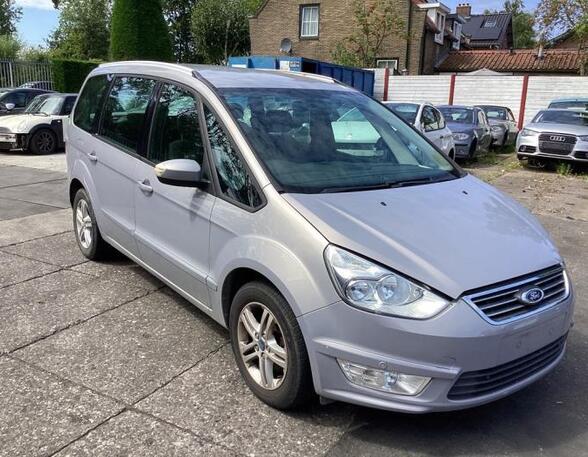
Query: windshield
570, 104
45, 104
497, 113
562, 117
407, 111
458, 115
314, 141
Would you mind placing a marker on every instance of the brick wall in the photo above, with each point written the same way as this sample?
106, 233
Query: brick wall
281, 19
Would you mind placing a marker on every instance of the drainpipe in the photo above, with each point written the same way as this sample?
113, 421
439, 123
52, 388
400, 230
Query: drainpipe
408, 37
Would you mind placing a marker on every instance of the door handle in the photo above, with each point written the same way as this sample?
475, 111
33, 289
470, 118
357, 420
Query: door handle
145, 187
92, 156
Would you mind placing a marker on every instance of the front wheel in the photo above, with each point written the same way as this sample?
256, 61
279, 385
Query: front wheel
268, 346
43, 142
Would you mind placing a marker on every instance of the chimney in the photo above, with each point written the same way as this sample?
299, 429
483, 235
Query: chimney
464, 9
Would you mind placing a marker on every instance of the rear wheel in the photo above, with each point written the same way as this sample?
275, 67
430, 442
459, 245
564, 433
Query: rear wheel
269, 348
43, 142
86, 229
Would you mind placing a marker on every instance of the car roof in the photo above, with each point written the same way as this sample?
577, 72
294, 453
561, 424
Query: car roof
456, 106
563, 110
227, 77
570, 99
492, 106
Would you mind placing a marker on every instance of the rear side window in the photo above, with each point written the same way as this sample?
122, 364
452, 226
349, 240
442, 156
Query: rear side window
125, 110
176, 130
88, 108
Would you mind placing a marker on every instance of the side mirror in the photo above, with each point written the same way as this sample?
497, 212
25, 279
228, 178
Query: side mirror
179, 172
10, 106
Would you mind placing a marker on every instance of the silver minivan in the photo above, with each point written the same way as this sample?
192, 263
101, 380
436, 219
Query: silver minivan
344, 253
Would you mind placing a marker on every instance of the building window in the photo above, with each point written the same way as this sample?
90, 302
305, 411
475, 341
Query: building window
392, 64
457, 32
440, 23
309, 21
489, 23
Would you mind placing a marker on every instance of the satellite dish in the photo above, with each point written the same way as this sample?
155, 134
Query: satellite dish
286, 46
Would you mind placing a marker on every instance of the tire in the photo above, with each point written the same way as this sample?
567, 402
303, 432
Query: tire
473, 148
452, 154
286, 387
504, 139
89, 239
43, 142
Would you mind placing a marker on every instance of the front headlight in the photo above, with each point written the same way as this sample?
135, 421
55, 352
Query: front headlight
583, 138
461, 136
528, 132
368, 286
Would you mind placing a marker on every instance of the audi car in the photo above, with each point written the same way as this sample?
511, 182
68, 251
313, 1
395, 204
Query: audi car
560, 134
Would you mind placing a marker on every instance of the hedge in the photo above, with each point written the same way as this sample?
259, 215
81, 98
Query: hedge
139, 31
69, 75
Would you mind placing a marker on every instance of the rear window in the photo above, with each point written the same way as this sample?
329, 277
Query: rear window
407, 111
88, 107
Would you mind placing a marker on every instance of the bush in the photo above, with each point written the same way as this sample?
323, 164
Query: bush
139, 31
69, 75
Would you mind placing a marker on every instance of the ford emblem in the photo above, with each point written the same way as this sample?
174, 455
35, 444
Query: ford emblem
531, 296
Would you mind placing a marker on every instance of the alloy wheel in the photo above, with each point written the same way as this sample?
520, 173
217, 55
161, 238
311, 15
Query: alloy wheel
45, 142
262, 346
84, 224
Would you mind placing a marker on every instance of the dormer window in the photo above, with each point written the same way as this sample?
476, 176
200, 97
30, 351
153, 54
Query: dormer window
489, 23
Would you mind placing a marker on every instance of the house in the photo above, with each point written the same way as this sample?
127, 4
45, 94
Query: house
486, 31
514, 61
315, 27
565, 40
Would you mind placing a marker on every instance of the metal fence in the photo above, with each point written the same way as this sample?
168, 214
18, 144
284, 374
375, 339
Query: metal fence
14, 73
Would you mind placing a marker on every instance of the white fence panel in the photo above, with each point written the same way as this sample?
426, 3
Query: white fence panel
489, 90
379, 76
543, 89
432, 89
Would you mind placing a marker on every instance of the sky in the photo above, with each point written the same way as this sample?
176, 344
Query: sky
39, 17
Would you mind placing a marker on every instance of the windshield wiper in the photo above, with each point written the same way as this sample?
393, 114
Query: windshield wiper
385, 185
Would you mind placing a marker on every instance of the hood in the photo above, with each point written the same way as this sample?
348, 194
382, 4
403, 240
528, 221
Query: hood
21, 123
456, 127
453, 236
558, 128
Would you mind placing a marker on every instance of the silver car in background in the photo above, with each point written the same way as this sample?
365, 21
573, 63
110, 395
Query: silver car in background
560, 134
503, 125
345, 254
429, 121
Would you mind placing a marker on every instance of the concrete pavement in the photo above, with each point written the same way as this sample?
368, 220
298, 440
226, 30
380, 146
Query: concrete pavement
100, 359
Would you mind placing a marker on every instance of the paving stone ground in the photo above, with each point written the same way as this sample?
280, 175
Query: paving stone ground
100, 359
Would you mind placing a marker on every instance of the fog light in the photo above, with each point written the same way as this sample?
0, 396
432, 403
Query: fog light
385, 381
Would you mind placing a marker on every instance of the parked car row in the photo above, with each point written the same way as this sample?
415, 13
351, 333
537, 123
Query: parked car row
460, 131
32, 119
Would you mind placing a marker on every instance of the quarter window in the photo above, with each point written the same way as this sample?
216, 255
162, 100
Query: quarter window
309, 21
125, 110
88, 108
176, 129
234, 179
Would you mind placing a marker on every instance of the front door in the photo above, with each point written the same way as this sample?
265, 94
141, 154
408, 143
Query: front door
173, 223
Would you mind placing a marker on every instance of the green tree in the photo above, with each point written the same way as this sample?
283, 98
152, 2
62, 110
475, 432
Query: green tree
375, 21
10, 14
139, 31
178, 14
220, 28
10, 47
554, 15
83, 31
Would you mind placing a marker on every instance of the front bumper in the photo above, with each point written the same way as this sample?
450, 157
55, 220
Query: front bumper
528, 147
462, 150
455, 342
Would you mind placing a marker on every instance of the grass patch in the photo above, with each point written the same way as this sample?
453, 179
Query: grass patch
564, 169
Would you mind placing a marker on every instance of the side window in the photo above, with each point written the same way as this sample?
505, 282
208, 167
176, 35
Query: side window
18, 98
125, 110
430, 121
510, 115
68, 105
176, 131
233, 177
88, 108
440, 119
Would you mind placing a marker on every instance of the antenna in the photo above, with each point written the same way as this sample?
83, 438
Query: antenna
286, 46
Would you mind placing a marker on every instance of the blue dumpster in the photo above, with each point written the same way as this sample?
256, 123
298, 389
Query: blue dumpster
358, 78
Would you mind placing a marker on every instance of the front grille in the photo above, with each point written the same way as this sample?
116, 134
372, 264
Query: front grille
553, 143
502, 302
477, 383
